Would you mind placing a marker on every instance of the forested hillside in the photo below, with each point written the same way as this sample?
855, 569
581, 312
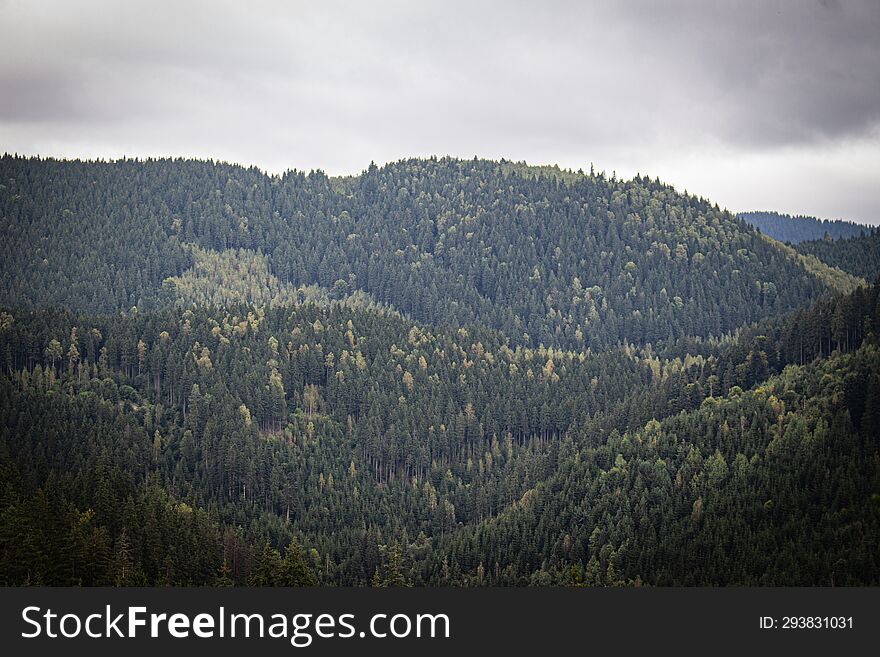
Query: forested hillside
354, 431
796, 229
571, 260
438, 372
860, 256
776, 486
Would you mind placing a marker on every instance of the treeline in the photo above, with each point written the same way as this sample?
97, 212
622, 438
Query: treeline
573, 260
859, 256
799, 228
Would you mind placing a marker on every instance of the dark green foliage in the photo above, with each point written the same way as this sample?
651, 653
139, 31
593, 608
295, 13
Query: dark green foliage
379, 444
438, 372
392, 571
291, 570
859, 256
771, 487
573, 260
793, 230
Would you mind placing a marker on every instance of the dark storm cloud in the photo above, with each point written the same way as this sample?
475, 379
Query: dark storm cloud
679, 89
795, 73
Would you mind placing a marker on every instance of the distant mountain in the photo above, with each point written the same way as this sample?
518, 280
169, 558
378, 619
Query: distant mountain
785, 228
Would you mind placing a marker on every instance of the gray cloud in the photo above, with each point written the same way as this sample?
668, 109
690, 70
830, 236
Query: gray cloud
689, 91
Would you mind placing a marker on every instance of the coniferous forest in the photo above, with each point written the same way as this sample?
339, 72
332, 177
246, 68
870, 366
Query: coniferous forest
437, 372
797, 229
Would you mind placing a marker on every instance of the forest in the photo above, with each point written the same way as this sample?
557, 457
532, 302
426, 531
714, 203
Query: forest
797, 229
438, 372
859, 256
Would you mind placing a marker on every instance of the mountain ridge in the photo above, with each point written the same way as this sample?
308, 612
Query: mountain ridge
801, 228
580, 261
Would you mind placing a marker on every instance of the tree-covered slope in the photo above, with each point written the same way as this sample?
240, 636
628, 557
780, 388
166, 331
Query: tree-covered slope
860, 256
355, 431
440, 372
775, 486
83, 504
573, 260
835, 278
582, 261
786, 228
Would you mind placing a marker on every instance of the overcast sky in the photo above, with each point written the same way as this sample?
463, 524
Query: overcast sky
756, 105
